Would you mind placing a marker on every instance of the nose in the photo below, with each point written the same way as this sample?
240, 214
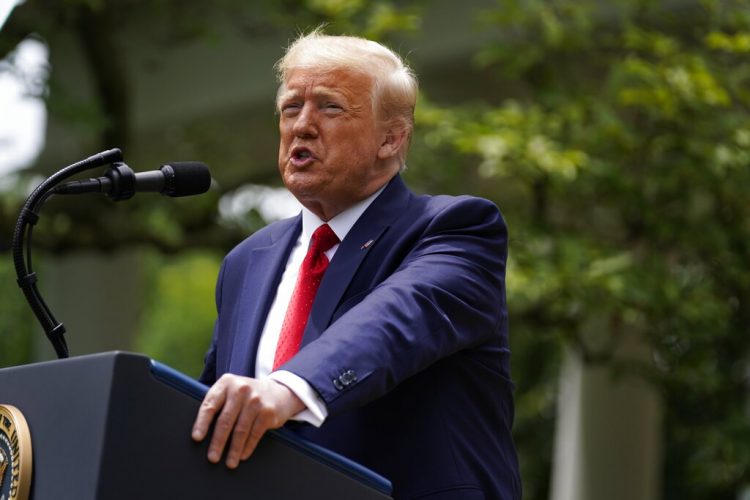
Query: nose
306, 124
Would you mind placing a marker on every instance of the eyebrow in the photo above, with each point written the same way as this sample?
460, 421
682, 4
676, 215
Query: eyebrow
319, 91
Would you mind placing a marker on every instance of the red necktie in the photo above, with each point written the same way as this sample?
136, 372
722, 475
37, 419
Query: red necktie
310, 274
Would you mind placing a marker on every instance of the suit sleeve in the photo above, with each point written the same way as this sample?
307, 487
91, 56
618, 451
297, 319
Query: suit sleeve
446, 295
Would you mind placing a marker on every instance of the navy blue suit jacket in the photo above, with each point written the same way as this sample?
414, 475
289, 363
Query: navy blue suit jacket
407, 341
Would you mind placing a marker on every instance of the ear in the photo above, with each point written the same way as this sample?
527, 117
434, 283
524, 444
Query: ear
391, 144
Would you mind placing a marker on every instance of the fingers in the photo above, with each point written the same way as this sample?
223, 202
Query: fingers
225, 423
244, 409
260, 412
260, 426
281, 404
242, 430
212, 403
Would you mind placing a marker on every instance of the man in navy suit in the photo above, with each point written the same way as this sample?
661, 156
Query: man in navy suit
401, 362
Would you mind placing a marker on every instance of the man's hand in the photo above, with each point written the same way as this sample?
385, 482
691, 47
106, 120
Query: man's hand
246, 408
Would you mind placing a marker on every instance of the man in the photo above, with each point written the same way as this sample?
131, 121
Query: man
396, 353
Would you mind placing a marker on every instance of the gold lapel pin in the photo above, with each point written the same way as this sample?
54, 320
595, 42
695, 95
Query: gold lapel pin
367, 244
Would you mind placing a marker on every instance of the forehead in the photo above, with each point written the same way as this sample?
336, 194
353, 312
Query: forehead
348, 83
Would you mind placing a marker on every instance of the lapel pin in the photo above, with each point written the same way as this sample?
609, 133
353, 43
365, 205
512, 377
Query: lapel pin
367, 244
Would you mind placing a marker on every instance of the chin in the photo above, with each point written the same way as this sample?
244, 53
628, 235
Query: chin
302, 190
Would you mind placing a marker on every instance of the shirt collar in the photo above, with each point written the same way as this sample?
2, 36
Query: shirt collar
342, 223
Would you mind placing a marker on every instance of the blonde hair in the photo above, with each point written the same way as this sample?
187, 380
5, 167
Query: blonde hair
394, 88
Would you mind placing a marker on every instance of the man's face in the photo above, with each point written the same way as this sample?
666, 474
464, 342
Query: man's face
332, 152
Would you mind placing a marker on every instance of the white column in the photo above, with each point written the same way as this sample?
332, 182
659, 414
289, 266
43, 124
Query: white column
608, 439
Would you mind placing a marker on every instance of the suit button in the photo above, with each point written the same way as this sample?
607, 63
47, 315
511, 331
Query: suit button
344, 380
348, 377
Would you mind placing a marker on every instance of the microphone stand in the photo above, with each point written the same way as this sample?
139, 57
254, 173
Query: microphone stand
27, 219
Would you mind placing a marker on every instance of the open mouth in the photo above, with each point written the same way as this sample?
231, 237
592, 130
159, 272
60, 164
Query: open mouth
302, 156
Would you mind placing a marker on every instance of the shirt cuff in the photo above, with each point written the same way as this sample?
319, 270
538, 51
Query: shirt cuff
316, 411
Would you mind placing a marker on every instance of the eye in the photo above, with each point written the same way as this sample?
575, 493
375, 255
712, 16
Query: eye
290, 108
333, 107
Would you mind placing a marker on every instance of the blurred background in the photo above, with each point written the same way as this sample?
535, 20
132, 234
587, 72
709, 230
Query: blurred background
613, 135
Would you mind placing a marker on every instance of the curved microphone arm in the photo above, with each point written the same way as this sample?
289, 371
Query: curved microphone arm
28, 217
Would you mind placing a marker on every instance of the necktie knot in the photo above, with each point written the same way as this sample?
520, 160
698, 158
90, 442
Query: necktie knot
323, 239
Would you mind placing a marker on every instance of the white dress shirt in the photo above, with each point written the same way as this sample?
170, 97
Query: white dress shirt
316, 411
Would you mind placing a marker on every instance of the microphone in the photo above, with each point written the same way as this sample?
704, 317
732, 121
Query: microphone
180, 178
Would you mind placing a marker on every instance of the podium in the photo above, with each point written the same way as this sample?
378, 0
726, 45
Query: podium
117, 426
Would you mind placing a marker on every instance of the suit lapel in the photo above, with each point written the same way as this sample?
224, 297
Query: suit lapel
265, 265
361, 238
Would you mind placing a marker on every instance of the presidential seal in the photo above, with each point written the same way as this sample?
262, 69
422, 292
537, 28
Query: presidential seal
15, 454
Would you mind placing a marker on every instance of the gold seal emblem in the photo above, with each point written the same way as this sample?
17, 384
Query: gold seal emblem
15, 454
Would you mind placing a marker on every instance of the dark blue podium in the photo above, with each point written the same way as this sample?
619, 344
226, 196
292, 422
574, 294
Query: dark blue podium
117, 426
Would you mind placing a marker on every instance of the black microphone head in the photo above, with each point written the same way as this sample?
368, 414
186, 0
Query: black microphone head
185, 178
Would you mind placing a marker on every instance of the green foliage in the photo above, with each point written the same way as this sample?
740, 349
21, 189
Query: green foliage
621, 160
178, 320
17, 324
374, 20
